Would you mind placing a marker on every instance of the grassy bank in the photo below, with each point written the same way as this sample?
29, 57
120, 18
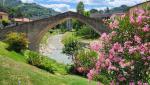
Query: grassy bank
14, 70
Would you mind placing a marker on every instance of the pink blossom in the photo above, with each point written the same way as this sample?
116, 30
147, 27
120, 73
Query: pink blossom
111, 67
114, 24
122, 79
127, 44
145, 84
117, 47
140, 83
132, 50
113, 33
131, 83
140, 12
145, 63
146, 28
95, 46
139, 19
112, 82
137, 39
132, 20
107, 62
104, 37
91, 74
148, 57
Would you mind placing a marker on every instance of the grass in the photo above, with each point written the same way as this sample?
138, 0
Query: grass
14, 70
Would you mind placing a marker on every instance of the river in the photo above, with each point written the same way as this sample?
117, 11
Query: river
53, 49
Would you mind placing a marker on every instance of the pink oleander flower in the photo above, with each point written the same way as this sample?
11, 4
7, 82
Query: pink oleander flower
112, 82
140, 83
146, 28
145, 84
132, 50
139, 19
123, 64
132, 20
121, 78
104, 37
114, 24
117, 47
143, 48
137, 39
95, 46
127, 44
140, 12
131, 83
148, 57
91, 74
111, 67
113, 33
107, 62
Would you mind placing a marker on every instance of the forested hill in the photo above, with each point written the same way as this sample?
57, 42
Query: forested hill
31, 10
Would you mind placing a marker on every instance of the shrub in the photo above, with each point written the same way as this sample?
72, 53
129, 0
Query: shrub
71, 44
40, 61
85, 59
87, 32
124, 55
17, 41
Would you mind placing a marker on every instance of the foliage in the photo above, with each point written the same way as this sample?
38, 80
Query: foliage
40, 61
17, 41
71, 44
80, 7
94, 11
87, 32
84, 60
45, 63
124, 55
5, 22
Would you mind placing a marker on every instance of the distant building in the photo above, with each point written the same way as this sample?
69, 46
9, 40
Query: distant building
115, 15
22, 20
4, 16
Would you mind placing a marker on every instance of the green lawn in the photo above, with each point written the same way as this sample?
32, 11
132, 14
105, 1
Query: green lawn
14, 69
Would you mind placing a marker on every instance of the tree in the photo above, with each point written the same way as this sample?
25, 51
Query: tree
93, 11
107, 10
80, 7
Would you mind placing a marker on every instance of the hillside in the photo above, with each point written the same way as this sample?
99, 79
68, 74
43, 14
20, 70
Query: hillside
14, 70
29, 10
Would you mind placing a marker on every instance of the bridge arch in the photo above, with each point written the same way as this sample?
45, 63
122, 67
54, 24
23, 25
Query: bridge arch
36, 30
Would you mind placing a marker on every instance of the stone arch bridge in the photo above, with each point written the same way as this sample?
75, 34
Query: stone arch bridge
35, 30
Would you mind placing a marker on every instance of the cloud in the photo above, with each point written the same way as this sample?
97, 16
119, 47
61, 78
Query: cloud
66, 5
57, 7
27, 1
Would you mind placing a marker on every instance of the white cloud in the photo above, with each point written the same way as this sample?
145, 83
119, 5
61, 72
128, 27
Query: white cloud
58, 7
27, 1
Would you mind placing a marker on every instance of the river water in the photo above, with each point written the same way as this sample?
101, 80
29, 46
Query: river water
53, 49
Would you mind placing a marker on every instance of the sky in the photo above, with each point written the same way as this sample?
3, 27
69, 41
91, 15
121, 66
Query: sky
70, 5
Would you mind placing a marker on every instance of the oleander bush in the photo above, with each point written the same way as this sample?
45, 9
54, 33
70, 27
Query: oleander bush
124, 54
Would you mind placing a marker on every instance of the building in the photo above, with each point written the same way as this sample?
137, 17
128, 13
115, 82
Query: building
116, 15
22, 20
4, 16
